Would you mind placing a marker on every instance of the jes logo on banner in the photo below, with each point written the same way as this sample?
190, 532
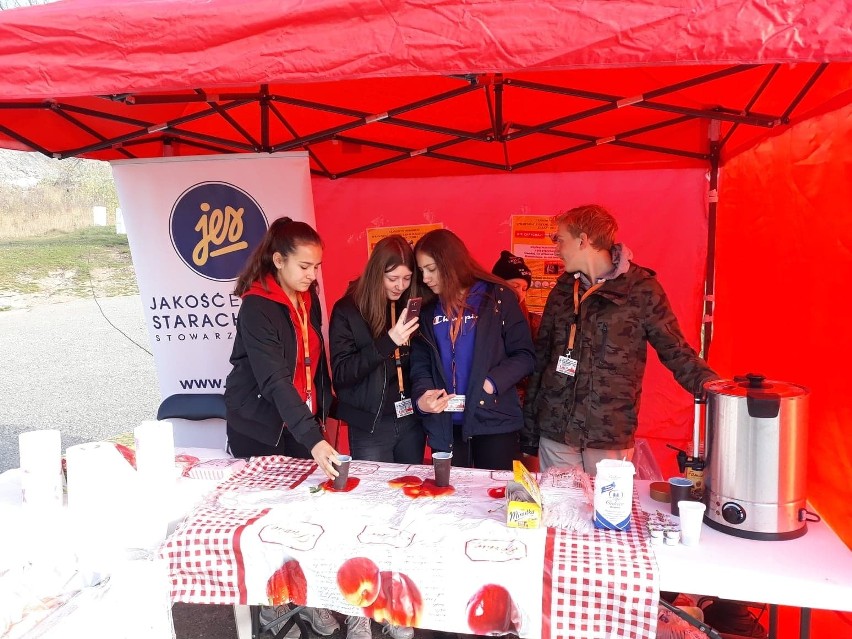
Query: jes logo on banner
214, 227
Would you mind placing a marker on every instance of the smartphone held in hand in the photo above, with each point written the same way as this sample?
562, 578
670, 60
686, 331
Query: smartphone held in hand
412, 309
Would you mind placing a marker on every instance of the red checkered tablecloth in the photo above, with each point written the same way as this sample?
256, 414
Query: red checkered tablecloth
203, 552
600, 585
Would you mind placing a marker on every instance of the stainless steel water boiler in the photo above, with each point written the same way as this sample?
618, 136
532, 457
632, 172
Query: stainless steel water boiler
756, 472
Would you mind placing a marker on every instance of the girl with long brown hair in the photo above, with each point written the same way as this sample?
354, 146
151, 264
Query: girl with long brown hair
368, 336
473, 348
279, 391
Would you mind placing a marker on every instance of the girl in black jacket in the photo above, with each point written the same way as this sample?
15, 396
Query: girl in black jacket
368, 337
279, 391
473, 348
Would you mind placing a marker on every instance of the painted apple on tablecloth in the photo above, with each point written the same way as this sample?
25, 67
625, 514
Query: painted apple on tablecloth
287, 584
405, 480
399, 602
359, 581
428, 488
491, 611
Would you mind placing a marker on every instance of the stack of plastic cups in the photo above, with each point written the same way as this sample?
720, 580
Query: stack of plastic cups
155, 454
156, 475
40, 454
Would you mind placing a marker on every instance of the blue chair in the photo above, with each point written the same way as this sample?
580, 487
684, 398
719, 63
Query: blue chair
199, 419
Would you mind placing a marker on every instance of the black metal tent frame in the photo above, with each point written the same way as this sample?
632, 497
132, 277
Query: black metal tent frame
503, 128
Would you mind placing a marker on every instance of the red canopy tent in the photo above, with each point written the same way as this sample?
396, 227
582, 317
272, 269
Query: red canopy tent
471, 95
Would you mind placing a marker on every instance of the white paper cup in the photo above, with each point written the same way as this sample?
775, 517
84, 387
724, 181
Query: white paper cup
691, 520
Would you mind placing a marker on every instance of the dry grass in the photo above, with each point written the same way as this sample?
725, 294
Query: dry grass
39, 195
41, 222
49, 249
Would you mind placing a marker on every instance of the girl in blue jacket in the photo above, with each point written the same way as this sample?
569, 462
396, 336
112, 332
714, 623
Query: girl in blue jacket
474, 346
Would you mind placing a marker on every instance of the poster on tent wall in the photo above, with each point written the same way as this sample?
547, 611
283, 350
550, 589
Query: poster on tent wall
192, 222
412, 233
531, 240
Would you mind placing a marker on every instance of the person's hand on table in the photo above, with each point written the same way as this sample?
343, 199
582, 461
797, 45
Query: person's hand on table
434, 401
324, 454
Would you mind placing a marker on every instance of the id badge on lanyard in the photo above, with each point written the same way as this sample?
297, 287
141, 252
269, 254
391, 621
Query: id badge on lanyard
303, 324
567, 365
455, 405
403, 407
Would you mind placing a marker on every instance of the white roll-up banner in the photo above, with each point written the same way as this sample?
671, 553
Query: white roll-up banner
192, 223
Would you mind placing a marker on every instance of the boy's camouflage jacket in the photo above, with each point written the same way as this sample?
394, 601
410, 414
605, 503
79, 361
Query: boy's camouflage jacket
598, 407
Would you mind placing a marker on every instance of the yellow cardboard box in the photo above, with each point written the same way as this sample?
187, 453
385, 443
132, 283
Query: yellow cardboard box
523, 499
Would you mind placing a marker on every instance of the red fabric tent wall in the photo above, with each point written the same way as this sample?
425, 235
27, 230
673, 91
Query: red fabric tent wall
662, 218
783, 272
783, 243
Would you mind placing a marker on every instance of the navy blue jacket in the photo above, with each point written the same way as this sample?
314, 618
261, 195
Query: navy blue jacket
504, 353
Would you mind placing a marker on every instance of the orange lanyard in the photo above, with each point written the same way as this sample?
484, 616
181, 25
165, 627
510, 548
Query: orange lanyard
397, 358
577, 301
303, 323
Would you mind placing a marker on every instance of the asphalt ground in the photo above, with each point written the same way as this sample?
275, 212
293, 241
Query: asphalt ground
71, 367
64, 366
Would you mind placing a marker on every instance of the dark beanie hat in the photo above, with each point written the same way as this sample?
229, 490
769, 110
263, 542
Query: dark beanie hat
510, 267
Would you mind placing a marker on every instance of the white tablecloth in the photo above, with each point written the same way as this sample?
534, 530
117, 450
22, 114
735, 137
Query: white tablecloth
447, 555
61, 578
813, 571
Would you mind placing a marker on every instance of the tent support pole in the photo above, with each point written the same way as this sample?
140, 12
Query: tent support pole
710, 270
800, 96
20, 138
240, 146
172, 139
145, 130
752, 102
277, 112
428, 151
264, 117
590, 141
84, 127
230, 120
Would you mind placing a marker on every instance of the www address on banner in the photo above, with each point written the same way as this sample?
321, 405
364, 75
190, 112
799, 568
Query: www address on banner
189, 384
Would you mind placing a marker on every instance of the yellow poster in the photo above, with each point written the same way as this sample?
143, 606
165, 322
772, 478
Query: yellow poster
531, 240
411, 233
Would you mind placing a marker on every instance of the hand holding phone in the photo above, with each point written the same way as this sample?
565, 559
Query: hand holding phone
407, 323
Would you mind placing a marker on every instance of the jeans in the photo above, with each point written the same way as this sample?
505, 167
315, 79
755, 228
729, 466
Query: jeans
552, 453
401, 441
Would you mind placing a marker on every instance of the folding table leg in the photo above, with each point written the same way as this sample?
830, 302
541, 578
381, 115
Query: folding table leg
804, 623
773, 621
244, 623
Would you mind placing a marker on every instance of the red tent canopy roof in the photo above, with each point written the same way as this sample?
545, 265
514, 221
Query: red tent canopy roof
414, 88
